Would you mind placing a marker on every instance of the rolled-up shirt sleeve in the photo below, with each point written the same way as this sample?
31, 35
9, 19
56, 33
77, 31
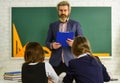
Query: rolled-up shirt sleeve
50, 71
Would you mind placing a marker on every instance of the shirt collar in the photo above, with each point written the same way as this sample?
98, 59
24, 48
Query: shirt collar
33, 63
82, 55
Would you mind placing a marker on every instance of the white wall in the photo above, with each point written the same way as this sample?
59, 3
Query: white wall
8, 64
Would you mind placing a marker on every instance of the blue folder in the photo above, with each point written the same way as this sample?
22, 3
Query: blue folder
63, 36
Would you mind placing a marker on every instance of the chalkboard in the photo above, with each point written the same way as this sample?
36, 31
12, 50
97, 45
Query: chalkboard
32, 24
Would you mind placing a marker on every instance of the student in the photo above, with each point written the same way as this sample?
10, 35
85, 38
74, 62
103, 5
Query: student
85, 68
60, 55
34, 69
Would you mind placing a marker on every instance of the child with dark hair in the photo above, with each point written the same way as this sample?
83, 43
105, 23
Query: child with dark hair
34, 69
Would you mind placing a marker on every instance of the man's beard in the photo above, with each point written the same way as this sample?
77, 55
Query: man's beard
63, 18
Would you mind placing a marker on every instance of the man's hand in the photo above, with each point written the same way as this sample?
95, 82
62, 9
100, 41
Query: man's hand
69, 42
56, 45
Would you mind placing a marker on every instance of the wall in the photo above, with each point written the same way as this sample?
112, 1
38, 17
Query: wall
9, 64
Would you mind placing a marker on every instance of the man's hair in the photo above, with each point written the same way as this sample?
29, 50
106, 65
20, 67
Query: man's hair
63, 3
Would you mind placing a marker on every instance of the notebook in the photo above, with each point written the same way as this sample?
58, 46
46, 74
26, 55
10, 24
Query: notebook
63, 36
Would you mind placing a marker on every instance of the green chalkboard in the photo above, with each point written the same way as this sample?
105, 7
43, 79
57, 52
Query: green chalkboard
32, 24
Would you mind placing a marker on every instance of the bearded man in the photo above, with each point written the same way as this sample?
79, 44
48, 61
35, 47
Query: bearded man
60, 56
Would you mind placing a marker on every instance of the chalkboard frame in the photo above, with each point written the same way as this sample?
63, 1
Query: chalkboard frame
23, 46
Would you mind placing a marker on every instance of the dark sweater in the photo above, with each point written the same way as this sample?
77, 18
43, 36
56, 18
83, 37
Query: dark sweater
86, 69
34, 73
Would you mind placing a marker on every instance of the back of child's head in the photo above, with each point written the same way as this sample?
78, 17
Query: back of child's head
80, 46
33, 53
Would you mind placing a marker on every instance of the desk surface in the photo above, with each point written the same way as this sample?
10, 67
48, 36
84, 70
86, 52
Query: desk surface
8, 81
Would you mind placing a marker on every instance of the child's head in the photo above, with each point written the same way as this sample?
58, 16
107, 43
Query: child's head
80, 46
33, 53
